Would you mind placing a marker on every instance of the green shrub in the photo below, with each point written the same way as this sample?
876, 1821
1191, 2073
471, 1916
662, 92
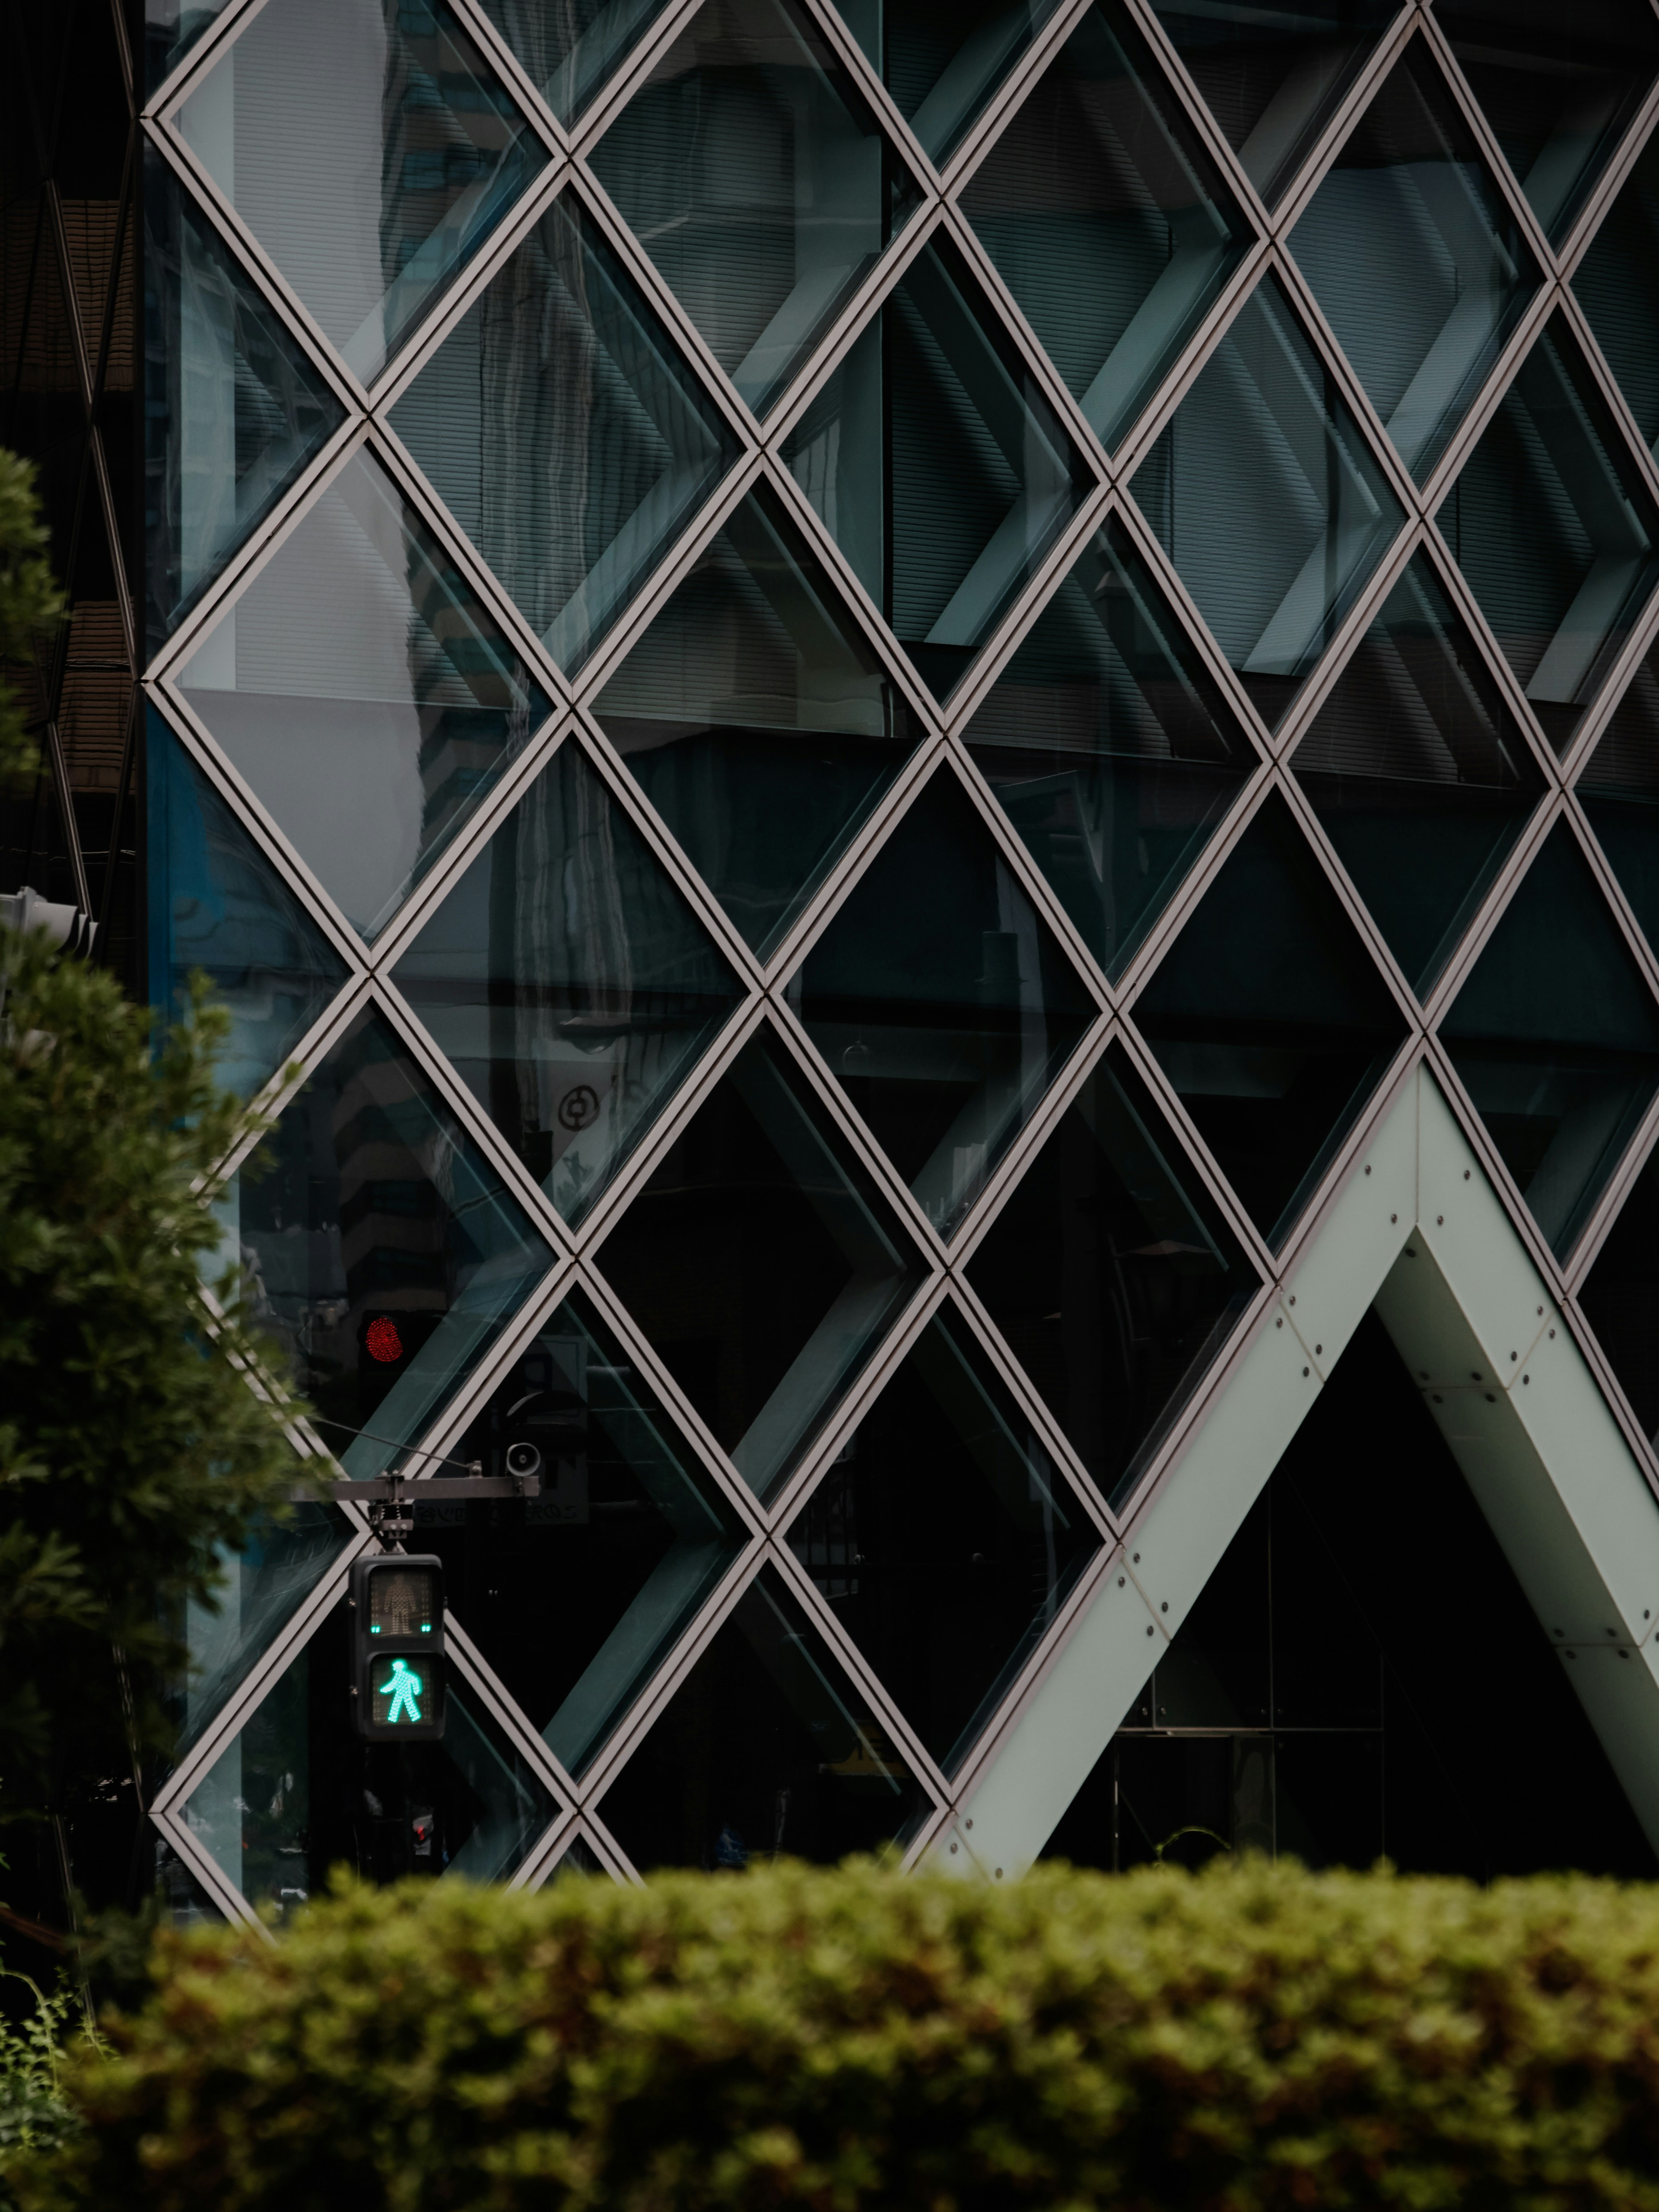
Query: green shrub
1254, 2037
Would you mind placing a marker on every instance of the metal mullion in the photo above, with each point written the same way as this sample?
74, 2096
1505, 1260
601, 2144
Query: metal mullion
587, 1829
53, 206
1400, 1071
1172, 918
1611, 1204
1647, 957
1145, 14
1581, 1331
925, 1836
502, 1707
58, 773
494, 46
1190, 362
1462, 964
1051, 1109
221, 1891
187, 727
177, 86
1485, 138
544, 1854
1347, 891
1458, 588
871, 83
1310, 702
630, 75
1611, 696
1478, 416
1598, 203
993, 117
1350, 110
1496, 1169
279, 1087
1608, 386
850, 310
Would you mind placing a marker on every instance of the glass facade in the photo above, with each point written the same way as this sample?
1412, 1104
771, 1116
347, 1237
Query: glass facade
838, 693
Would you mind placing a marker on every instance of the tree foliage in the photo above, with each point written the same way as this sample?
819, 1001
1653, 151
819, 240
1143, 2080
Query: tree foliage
29, 603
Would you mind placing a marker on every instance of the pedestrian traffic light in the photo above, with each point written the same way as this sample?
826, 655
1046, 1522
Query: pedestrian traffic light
398, 1647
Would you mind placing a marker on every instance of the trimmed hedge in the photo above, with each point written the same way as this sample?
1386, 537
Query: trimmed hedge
1254, 2037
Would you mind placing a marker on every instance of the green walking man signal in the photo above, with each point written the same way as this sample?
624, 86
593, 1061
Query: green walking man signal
398, 1647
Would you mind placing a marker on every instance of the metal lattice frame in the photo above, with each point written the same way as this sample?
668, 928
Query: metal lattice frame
1005, 1750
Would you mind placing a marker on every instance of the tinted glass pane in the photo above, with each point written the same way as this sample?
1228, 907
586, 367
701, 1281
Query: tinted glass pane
1556, 1038
944, 1540
568, 981
576, 1596
1555, 532
298, 1793
1558, 87
1415, 257
370, 149
218, 905
1417, 770
1111, 746
571, 50
232, 408
767, 1749
1269, 501
565, 431
758, 719
1113, 1274
171, 29
753, 172
942, 64
364, 692
1270, 1020
1620, 1294
1619, 792
937, 466
762, 1263
942, 1002
1106, 219
1617, 285
371, 1204
1272, 78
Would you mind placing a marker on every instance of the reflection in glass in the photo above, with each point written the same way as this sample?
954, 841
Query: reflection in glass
1555, 532
1556, 1038
563, 429
1271, 1021
1617, 285
1620, 1294
1107, 220
569, 982
1272, 78
1269, 501
1413, 254
1417, 770
369, 149
944, 1540
181, 1899
571, 50
942, 1002
171, 29
297, 1793
218, 905
767, 1749
232, 408
369, 1203
1558, 87
937, 464
575, 1597
1111, 746
941, 61
365, 693
758, 719
753, 172
1619, 791
762, 1263
1112, 1275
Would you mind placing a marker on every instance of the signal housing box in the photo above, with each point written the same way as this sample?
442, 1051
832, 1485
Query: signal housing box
398, 1647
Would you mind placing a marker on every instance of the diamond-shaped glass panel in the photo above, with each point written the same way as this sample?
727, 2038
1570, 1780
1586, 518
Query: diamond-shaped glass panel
296, 1793
1111, 746
1620, 1294
1617, 285
756, 175
1266, 496
1557, 85
1416, 258
942, 1001
945, 1539
937, 465
1272, 78
758, 719
1556, 1038
762, 1262
566, 433
370, 149
232, 408
1112, 1275
1619, 793
571, 50
364, 692
227, 913
576, 1596
569, 982
171, 29
1109, 222
1419, 773
370, 1204
1271, 1020
942, 63
767, 1749
1555, 531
